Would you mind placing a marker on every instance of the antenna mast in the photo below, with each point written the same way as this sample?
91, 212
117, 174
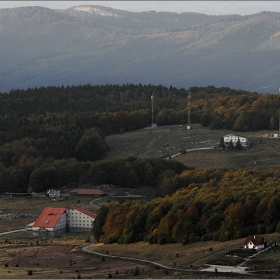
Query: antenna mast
152, 97
189, 111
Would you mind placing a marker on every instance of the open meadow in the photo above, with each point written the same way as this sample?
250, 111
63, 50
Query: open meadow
23, 256
171, 140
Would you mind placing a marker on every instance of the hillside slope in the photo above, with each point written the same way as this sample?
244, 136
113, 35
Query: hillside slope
97, 45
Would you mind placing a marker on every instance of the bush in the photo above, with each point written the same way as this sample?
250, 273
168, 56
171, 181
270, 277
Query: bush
30, 272
136, 271
110, 275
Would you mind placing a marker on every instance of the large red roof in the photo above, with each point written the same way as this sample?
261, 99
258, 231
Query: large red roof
87, 212
49, 217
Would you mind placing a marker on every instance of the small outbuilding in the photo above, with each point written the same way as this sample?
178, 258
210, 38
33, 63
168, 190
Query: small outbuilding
255, 242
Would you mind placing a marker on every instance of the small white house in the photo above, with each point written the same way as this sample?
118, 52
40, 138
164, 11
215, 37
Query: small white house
255, 242
244, 141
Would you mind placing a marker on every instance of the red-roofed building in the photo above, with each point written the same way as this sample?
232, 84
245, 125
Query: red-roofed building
57, 221
255, 242
52, 221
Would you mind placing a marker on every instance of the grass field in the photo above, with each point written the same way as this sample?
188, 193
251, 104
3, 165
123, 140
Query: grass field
172, 139
62, 258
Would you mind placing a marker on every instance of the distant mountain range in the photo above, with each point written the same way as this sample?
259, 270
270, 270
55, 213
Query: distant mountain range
99, 45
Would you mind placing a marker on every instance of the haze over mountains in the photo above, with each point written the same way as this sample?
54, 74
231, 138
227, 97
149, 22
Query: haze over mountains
100, 45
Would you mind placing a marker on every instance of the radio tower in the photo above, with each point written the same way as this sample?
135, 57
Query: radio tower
189, 111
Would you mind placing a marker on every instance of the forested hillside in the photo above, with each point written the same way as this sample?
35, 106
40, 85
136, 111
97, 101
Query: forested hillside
212, 204
99, 45
49, 129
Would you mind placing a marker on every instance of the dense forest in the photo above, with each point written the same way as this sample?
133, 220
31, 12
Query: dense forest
212, 204
53, 135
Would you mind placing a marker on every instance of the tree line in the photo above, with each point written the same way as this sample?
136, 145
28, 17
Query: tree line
39, 174
197, 205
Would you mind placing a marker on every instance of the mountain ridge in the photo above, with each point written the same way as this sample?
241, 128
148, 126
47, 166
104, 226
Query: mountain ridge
42, 46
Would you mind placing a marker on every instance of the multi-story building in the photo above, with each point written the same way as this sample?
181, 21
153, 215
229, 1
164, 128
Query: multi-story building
79, 219
57, 221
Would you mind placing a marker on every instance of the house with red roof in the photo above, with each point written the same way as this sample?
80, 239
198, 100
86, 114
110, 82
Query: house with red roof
255, 242
57, 221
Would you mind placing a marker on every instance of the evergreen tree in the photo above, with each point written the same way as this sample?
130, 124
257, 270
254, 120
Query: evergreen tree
222, 143
238, 145
230, 146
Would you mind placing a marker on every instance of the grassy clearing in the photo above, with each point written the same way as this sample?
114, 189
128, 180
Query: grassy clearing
172, 255
172, 139
194, 256
68, 260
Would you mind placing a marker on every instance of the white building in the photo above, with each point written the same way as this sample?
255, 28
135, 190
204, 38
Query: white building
79, 219
244, 141
255, 242
57, 221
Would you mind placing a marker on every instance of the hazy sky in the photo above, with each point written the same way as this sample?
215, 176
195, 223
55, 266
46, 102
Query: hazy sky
206, 7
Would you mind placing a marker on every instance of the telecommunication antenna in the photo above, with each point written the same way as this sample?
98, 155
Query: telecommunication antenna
189, 111
152, 97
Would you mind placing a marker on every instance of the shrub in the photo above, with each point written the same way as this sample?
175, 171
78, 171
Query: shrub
110, 275
136, 271
30, 272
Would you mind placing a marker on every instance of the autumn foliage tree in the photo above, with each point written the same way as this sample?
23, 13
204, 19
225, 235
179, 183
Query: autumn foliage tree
227, 208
